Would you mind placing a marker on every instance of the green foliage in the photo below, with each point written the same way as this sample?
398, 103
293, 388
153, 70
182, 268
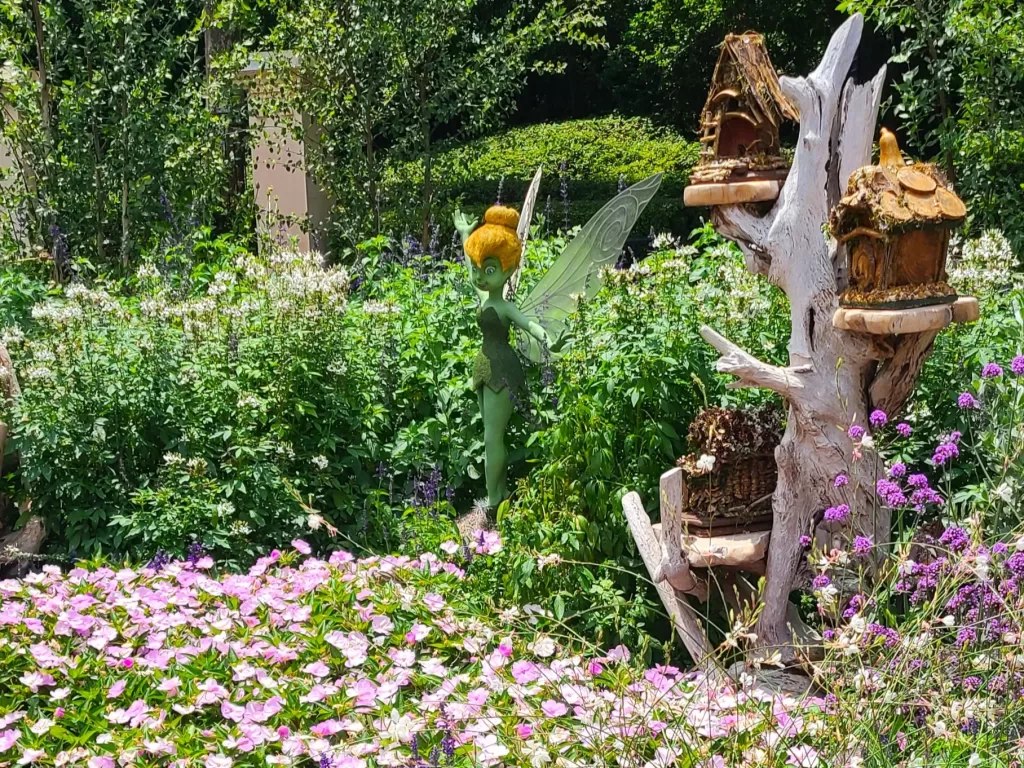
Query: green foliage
634, 374
959, 98
594, 157
985, 268
19, 290
103, 107
385, 78
239, 402
669, 48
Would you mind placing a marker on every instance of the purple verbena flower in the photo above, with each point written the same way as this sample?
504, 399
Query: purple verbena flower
821, 581
899, 469
891, 493
917, 481
903, 429
878, 418
966, 400
805, 541
837, 514
862, 546
841, 480
991, 371
1017, 366
856, 432
971, 684
944, 452
955, 538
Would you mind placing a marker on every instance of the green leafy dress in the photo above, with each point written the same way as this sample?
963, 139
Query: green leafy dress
497, 365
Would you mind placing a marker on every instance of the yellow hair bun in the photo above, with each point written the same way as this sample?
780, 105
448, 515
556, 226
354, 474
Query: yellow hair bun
503, 216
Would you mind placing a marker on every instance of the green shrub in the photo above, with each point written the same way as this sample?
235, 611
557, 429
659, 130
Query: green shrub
596, 154
237, 403
633, 376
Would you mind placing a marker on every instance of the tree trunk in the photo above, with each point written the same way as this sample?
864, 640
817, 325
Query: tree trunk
29, 539
45, 103
10, 389
125, 219
371, 170
428, 167
835, 378
216, 40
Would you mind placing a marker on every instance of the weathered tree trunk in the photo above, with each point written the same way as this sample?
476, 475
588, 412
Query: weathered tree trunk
29, 539
10, 389
835, 378
45, 101
428, 160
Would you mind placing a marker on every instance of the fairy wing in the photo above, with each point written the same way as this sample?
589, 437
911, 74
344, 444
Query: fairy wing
523, 231
577, 272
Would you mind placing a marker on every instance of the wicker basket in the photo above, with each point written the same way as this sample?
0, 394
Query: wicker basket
740, 490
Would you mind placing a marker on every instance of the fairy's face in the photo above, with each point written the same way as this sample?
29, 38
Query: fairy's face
489, 275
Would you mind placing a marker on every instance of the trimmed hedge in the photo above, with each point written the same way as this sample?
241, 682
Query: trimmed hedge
595, 153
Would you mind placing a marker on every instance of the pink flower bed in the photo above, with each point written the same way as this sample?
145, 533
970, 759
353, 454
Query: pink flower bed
343, 662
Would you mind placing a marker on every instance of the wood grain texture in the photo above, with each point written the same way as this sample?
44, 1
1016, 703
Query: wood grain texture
734, 550
731, 193
673, 567
684, 619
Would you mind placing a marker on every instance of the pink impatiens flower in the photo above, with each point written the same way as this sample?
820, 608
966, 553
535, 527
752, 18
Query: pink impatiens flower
117, 689
382, 625
317, 669
553, 708
170, 686
34, 681
803, 757
8, 739
433, 601
525, 672
417, 634
210, 692
31, 756
353, 646
101, 761
301, 547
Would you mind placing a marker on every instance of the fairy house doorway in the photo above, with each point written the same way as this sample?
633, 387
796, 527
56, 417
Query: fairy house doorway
745, 106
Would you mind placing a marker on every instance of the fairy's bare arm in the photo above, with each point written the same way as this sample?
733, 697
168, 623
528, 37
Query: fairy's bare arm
531, 327
465, 226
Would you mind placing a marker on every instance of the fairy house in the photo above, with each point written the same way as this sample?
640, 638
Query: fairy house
895, 222
740, 127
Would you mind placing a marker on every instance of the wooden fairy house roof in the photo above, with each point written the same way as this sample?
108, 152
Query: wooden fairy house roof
744, 70
893, 197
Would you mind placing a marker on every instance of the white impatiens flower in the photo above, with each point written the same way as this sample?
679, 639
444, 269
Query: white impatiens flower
548, 560
705, 463
543, 646
1004, 492
41, 726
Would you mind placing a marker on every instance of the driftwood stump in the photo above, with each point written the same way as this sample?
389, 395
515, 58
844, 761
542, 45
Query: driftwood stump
836, 376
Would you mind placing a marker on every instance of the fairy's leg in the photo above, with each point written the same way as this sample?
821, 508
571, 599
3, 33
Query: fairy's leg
497, 410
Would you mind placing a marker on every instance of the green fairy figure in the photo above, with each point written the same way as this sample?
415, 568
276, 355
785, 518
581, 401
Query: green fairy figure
494, 255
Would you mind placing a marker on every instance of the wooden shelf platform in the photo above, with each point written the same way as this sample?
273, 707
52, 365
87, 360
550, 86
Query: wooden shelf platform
735, 550
896, 322
731, 193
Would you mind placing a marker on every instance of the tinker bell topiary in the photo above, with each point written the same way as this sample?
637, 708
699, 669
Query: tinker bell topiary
494, 254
